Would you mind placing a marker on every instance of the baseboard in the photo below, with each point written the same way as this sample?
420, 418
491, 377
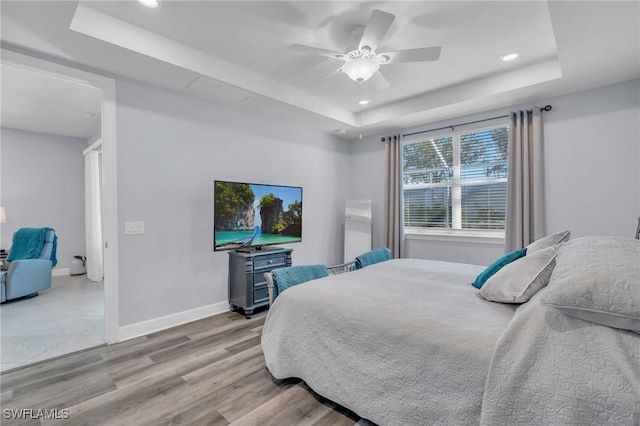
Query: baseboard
151, 326
57, 272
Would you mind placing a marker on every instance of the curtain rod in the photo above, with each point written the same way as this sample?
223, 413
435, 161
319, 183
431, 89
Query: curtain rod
544, 108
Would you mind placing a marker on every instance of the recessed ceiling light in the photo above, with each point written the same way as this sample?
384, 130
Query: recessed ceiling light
509, 56
363, 101
149, 3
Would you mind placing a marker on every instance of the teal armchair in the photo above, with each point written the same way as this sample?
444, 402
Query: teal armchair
27, 276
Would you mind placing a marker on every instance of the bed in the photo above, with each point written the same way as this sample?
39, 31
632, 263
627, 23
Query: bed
411, 342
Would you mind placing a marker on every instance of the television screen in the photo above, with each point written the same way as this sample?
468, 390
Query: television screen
253, 215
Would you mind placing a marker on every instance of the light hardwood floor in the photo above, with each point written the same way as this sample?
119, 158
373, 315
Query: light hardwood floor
208, 372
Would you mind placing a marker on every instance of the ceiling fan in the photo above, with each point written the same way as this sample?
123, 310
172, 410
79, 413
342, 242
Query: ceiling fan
363, 62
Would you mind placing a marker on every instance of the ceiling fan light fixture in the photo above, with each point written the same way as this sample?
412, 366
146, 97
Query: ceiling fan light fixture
361, 69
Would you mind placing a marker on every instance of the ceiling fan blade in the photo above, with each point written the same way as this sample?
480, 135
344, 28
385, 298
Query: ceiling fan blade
316, 51
413, 55
325, 77
378, 82
378, 25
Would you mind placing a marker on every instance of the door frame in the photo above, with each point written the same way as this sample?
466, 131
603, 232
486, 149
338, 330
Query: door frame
107, 86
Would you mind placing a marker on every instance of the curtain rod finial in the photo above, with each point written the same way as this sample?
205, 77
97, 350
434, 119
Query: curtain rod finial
546, 108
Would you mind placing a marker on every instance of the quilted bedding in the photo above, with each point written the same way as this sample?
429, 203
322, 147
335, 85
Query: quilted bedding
553, 369
408, 342
403, 342
550, 368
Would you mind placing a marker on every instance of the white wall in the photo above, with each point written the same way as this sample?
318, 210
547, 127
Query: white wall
592, 160
43, 186
171, 148
592, 157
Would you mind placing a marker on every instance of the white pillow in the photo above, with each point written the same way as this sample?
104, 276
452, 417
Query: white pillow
597, 279
548, 241
520, 280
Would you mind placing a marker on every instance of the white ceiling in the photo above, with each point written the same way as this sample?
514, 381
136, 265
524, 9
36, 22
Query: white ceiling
43, 103
237, 52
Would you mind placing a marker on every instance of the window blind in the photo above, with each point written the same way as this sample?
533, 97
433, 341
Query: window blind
457, 180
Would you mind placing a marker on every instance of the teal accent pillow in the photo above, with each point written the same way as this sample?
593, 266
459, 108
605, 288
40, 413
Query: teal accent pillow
497, 265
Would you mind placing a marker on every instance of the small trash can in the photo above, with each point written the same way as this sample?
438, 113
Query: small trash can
78, 265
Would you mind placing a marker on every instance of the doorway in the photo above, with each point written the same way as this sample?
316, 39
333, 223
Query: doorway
106, 88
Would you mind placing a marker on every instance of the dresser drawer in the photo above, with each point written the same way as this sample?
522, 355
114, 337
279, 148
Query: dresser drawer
259, 279
270, 261
260, 294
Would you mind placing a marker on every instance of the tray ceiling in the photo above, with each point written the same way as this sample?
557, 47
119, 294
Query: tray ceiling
237, 52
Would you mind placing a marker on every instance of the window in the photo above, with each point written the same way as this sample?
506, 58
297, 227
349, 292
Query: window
456, 181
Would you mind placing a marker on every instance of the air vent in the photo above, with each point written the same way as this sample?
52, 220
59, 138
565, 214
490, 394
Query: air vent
218, 91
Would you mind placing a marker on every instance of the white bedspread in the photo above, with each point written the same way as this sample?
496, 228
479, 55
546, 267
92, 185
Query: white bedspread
403, 342
552, 369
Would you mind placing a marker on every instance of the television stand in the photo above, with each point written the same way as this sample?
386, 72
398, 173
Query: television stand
247, 284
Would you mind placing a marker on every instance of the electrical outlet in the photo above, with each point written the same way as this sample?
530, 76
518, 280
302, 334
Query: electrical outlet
133, 228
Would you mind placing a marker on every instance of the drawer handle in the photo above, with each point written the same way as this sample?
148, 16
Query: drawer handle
270, 262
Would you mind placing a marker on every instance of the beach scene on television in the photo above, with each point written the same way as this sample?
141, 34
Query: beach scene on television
248, 215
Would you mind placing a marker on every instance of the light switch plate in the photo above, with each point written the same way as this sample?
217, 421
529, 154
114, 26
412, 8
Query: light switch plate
133, 228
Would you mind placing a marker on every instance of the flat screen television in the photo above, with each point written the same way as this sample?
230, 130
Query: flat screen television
248, 215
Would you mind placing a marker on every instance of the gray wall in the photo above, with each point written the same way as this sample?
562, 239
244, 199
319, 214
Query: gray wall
43, 186
592, 157
171, 148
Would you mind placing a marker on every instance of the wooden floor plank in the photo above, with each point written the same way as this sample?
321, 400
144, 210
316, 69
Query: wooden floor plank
207, 372
43, 370
244, 345
69, 390
120, 403
158, 370
202, 412
6, 397
203, 345
129, 368
232, 326
295, 406
171, 401
146, 347
228, 370
248, 394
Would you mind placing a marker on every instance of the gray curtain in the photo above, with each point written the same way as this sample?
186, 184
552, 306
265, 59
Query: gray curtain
393, 222
525, 191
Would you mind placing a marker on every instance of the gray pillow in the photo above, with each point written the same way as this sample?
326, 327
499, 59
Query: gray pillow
548, 241
520, 280
597, 279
